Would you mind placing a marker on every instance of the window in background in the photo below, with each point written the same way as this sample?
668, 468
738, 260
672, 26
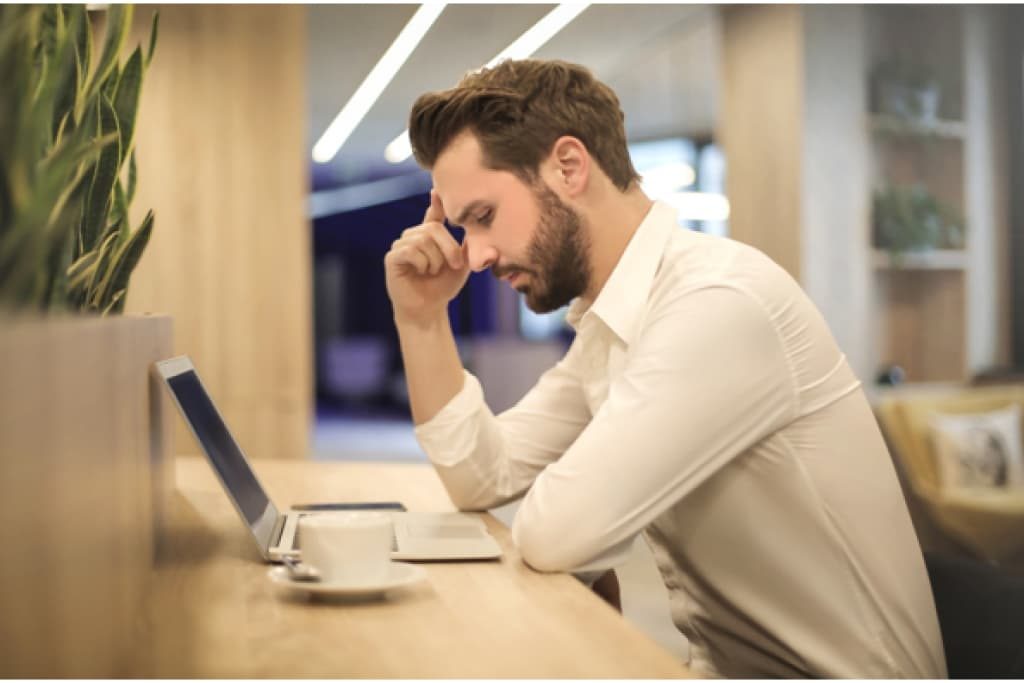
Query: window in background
678, 171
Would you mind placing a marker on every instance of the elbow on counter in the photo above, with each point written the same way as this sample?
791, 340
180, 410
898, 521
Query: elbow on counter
547, 548
466, 493
468, 502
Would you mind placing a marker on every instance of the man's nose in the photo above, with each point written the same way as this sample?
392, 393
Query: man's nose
481, 254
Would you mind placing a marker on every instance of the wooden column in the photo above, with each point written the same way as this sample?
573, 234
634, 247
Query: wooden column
792, 125
222, 161
761, 117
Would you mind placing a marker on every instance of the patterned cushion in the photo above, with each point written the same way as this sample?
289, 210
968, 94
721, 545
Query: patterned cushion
979, 450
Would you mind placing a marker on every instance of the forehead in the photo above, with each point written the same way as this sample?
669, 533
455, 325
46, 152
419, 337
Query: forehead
460, 176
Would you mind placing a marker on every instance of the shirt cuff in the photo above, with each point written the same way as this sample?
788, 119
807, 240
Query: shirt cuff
449, 436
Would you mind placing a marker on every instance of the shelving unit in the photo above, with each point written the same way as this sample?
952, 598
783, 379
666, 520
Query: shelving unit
919, 301
893, 125
808, 149
935, 259
941, 315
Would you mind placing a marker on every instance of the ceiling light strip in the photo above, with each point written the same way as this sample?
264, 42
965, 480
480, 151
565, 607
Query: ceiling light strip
400, 149
373, 85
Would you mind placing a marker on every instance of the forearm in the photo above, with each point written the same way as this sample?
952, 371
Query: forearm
433, 371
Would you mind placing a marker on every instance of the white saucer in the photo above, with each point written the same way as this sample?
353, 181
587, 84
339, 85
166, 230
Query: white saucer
399, 574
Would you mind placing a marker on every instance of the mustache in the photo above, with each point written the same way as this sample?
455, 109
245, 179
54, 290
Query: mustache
502, 271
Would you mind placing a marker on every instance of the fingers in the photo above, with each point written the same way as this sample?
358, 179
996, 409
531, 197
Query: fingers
449, 247
428, 249
435, 212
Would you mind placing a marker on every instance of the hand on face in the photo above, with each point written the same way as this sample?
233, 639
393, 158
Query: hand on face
425, 268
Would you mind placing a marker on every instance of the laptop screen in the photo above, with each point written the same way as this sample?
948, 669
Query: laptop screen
220, 447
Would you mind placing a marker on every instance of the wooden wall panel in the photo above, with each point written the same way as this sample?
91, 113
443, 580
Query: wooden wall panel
761, 127
222, 160
84, 475
925, 324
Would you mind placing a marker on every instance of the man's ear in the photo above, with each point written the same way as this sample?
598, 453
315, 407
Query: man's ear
570, 164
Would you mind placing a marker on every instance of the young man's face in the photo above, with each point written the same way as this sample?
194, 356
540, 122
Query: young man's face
524, 233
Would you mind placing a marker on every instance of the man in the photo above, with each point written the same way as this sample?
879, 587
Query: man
703, 402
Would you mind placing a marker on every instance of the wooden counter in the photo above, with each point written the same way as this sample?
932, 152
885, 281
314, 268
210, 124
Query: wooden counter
213, 612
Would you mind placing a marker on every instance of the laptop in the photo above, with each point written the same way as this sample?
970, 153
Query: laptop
418, 536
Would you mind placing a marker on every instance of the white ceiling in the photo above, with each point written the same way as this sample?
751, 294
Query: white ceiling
662, 60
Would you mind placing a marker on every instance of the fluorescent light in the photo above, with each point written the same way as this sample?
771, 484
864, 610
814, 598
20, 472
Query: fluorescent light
541, 32
400, 149
375, 82
699, 206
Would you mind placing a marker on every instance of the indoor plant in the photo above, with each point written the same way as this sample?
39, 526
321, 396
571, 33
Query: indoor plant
907, 89
67, 163
913, 219
83, 427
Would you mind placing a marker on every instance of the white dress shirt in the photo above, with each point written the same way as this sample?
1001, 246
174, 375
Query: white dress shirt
705, 404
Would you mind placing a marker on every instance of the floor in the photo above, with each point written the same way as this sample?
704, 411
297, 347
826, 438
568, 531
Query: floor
644, 599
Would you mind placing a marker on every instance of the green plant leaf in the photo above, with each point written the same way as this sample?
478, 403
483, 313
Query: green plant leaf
61, 127
79, 275
133, 175
83, 39
67, 123
55, 296
103, 261
104, 175
115, 229
152, 37
119, 19
53, 201
54, 89
109, 87
119, 208
65, 65
83, 52
116, 304
126, 99
124, 263
80, 271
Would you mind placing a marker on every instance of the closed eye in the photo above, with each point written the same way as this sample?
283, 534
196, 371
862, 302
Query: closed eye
485, 218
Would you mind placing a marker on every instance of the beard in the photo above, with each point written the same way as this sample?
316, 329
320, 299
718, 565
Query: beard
559, 254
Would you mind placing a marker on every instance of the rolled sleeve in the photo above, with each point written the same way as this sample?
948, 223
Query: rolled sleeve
449, 436
485, 460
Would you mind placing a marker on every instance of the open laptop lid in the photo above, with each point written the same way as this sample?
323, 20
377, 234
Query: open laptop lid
230, 464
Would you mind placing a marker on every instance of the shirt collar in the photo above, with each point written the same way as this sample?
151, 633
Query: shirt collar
623, 298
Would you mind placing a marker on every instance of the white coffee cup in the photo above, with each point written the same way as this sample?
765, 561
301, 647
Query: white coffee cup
347, 547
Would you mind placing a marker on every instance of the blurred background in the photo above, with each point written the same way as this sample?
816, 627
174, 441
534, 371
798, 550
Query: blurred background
870, 150
873, 151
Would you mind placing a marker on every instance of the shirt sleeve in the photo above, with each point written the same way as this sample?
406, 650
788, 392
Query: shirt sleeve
706, 379
485, 460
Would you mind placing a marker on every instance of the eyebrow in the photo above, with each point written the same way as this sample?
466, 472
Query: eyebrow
470, 208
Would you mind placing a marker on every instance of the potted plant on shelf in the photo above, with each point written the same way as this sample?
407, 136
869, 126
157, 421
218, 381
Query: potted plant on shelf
913, 219
908, 90
81, 427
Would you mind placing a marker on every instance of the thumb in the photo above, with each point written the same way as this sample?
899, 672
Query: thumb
435, 212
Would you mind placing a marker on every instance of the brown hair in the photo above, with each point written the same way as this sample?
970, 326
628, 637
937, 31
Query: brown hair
517, 110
